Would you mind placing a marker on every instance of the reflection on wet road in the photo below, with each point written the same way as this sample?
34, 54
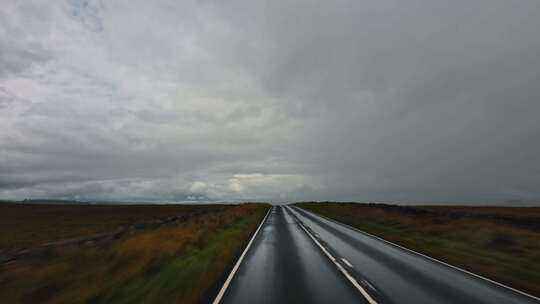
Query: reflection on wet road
283, 265
400, 276
300, 257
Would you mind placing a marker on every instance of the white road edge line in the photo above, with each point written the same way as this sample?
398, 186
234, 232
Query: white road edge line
426, 256
347, 262
237, 265
343, 270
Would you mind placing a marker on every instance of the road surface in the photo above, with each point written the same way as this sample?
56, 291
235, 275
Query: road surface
300, 257
283, 265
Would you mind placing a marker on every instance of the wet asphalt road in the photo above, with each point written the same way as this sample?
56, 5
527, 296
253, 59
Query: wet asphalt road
284, 265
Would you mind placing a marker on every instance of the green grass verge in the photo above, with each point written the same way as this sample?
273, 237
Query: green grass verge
186, 278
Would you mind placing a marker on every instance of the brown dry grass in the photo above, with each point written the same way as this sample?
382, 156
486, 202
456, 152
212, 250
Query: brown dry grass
26, 225
511, 212
75, 274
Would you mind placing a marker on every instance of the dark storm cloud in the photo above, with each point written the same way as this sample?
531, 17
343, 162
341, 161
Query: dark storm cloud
409, 101
281, 100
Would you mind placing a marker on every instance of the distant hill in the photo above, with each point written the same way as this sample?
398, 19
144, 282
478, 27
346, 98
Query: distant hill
52, 202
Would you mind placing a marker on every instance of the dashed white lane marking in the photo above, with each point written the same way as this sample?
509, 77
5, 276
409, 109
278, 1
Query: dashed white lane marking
369, 285
426, 256
237, 265
343, 270
347, 262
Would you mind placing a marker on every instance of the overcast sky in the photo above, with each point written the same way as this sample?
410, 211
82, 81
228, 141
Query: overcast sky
167, 100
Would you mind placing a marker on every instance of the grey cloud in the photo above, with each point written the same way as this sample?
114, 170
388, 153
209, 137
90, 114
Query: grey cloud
17, 58
18, 52
344, 100
88, 13
409, 101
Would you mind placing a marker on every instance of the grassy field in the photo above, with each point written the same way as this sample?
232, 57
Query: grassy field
173, 262
501, 243
27, 225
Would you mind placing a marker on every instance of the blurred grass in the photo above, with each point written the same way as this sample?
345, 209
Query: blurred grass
181, 279
507, 253
175, 263
26, 225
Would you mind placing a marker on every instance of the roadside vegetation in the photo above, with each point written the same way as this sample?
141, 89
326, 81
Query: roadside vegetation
176, 259
501, 243
24, 226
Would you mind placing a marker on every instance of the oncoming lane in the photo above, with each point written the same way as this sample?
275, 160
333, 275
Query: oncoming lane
400, 276
283, 265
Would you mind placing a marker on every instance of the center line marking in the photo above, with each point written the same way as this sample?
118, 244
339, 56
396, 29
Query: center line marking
338, 265
347, 262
